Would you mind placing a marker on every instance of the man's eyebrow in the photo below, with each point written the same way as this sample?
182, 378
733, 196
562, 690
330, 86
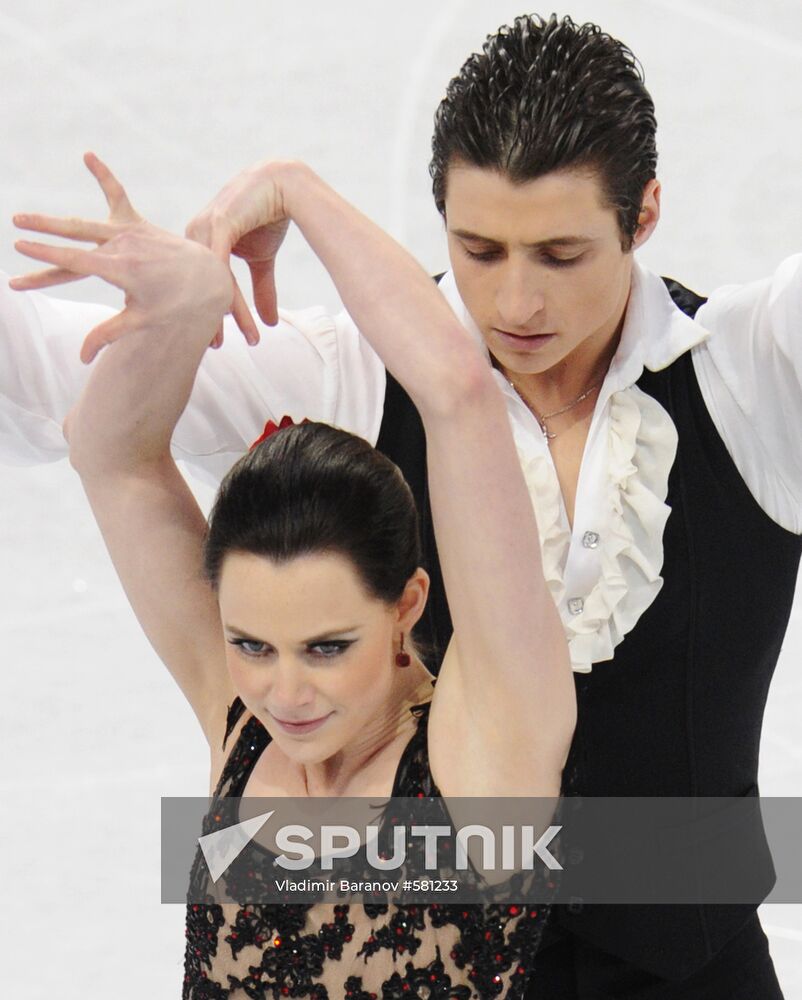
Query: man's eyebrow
554, 241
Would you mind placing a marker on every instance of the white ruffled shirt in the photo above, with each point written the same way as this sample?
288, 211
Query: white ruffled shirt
747, 354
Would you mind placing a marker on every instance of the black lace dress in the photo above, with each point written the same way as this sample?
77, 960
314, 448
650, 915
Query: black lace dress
364, 952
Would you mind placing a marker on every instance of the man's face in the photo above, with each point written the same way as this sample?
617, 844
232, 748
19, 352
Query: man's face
539, 265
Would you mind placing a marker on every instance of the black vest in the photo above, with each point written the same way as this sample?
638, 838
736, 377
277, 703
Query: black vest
678, 710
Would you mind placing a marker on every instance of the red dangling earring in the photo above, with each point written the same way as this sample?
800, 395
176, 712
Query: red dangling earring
401, 658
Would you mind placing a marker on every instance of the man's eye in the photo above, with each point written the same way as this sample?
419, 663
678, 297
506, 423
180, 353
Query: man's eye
483, 255
328, 650
551, 261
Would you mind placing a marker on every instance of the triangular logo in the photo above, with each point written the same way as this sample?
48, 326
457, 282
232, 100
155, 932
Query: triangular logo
223, 847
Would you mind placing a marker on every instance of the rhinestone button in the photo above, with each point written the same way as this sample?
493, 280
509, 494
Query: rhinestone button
575, 605
590, 539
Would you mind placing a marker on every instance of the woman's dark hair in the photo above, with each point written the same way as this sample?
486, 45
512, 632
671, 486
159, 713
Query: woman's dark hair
311, 488
550, 95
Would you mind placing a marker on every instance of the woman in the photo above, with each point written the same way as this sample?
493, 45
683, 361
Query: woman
300, 601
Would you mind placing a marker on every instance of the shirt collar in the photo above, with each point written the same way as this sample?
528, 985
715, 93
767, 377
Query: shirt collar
655, 332
448, 286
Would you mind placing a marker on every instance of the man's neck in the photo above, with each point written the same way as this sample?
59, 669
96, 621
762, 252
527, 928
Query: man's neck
584, 367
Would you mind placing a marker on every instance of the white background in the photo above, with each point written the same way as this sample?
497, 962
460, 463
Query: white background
178, 96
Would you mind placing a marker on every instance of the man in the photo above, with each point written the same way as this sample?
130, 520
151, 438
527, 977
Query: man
660, 451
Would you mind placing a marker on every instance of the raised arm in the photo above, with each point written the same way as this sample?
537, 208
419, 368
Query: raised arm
135, 404
511, 687
120, 433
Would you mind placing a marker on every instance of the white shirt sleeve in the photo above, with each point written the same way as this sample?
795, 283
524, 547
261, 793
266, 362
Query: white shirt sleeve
40, 371
310, 365
750, 373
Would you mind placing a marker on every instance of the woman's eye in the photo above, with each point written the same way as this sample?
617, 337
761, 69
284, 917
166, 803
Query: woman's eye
250, 647
327, 650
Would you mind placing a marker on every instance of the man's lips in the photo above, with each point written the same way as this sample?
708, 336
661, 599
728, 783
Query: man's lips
523, 341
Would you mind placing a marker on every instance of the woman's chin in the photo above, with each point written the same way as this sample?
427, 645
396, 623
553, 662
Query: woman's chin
310, 749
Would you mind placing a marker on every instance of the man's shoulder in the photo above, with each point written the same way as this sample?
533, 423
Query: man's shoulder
683, 297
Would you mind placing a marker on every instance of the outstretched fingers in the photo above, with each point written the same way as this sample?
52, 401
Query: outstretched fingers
120, 207
74, 229
43, 279
72, 264
79, 262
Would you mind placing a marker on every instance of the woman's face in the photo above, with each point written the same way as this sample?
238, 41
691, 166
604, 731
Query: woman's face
308, 649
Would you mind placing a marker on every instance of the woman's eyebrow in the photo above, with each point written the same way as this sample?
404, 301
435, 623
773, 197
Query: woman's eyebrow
332, 634
322, 637
240, 633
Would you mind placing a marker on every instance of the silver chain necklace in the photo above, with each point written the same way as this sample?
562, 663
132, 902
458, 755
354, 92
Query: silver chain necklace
547, 434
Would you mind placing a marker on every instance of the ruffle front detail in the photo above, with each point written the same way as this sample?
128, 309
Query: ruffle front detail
641, 447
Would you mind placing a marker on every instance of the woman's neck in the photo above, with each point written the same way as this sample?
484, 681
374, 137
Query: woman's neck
343, 773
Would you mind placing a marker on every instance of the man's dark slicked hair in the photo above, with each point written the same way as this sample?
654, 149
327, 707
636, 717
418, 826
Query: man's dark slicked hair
551, 95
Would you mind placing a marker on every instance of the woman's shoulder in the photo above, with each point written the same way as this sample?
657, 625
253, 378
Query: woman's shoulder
235, 731
234, 712
413, 776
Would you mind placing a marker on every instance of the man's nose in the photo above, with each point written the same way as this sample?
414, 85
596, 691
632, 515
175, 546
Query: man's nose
518, 299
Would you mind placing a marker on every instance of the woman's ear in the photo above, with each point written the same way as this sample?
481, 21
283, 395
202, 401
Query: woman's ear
412, 602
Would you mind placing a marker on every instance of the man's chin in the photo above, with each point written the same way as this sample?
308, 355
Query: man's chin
514, 363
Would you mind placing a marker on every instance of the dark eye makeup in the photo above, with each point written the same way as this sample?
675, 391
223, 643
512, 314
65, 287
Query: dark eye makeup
327, 649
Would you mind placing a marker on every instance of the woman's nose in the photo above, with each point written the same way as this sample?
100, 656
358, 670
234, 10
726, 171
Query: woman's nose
290, 691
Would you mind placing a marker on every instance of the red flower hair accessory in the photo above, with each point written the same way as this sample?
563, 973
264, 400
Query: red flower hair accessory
271, 428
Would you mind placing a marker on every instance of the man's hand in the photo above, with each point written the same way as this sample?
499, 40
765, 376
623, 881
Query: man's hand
169, 282
247, 219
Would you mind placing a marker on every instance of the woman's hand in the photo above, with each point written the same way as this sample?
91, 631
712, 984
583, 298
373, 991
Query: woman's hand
168, 281
247, 219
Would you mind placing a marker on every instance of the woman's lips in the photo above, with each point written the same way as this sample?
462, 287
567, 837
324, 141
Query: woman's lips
522, 342
299, 728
